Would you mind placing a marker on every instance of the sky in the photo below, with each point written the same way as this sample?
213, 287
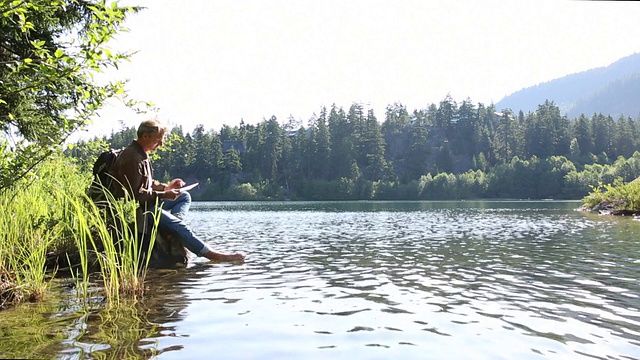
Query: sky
216, 62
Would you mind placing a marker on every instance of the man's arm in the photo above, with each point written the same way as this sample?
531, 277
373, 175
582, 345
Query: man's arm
135, 176
158, 186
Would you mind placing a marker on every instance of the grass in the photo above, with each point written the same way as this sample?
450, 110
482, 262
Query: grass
52, 214
31, 225
109, 232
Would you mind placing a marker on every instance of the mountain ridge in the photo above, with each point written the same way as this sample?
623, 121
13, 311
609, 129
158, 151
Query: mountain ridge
611, 90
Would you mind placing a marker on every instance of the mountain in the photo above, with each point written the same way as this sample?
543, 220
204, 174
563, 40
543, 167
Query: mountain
612, 90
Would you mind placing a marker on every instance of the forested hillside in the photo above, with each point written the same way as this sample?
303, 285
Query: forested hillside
609, 90
448, 150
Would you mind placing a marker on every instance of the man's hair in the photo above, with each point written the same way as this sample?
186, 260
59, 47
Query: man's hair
150, 126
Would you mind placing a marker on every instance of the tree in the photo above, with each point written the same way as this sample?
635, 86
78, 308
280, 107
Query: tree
271, 149
356, 121
368, 142
583, 135
447, 112
624, 140
373, 146
467, 121
228, 133
395, 128
170, 157
342, 147
319, 154
396, 120
230, 165
287, 165
444, 161
546, 132
505, 141
205, 158
602, 128
216, 153
417, 153
84, 152
49, 51
483, 133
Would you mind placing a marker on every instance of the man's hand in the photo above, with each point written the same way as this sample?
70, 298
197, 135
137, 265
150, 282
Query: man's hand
171, 194
175, 184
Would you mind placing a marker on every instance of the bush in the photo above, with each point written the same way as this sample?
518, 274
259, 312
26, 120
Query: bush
244, 191
619, 196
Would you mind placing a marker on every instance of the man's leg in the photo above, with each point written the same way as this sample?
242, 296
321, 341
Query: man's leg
188, 239
180, 206
172, 223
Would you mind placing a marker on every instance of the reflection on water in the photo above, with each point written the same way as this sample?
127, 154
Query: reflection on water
441, 280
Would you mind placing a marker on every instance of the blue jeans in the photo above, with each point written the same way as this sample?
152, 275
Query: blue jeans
178, 207
172, 219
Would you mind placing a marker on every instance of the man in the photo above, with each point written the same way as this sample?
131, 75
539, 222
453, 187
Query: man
133, 173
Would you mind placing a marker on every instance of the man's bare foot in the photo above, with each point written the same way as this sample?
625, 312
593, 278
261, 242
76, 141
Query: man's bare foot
236, 257
216, 256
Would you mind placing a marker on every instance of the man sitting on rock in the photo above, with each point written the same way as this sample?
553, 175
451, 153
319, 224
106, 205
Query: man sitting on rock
133, 173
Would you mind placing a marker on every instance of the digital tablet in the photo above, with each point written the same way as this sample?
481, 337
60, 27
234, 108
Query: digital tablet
188, 187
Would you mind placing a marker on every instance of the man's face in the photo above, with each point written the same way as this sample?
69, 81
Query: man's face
153, 141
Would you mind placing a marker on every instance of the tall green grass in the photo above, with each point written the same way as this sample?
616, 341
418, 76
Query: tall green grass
32, 223
24, 242
110, 233
49, 214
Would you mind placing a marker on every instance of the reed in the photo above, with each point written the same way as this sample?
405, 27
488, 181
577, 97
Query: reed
109, 233
51, 213
32, 222
23, 246
80, 273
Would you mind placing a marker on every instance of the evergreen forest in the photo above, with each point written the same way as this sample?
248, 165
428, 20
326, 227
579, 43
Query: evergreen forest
446, 151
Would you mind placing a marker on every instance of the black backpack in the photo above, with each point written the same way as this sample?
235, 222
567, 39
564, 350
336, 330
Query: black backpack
102, 178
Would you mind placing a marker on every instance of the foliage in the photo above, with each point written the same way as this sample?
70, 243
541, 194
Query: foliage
114, 237
446, 151
33, 227
54, 216
84, 152
49, 53
618, 196
241, 192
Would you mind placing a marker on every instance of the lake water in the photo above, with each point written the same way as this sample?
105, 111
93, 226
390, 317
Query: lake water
370, 280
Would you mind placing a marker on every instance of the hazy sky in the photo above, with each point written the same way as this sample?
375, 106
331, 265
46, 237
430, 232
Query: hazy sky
216, 62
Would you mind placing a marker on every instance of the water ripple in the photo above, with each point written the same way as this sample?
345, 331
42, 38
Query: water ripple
454, 280
495, 272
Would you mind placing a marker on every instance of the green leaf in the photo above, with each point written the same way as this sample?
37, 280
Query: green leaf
35, 97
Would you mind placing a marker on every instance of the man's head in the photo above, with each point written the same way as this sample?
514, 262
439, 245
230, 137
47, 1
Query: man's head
151, 134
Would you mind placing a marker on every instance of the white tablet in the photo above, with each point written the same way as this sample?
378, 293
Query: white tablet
189, 187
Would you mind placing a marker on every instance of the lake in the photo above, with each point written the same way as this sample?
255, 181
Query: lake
369, 280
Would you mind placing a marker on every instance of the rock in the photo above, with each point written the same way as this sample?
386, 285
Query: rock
167, 251
610, 208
